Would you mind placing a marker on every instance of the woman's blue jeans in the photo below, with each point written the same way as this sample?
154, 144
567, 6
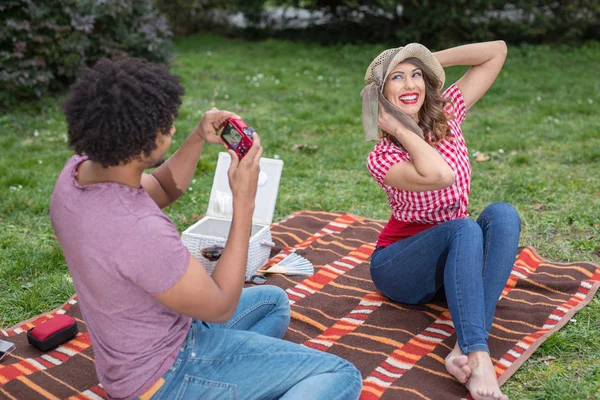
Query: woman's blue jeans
245, 358
471, 261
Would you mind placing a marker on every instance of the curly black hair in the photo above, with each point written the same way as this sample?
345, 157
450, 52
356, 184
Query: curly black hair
115, 109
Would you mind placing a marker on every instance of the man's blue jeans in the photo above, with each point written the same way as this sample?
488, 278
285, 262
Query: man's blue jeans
245, 358
469, 262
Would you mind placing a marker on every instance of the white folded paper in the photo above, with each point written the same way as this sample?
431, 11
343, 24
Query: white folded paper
293, 264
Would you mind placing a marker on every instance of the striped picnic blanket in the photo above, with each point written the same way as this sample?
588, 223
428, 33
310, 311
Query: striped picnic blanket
398, 348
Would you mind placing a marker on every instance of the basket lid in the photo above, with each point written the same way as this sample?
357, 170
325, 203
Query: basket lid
220, 203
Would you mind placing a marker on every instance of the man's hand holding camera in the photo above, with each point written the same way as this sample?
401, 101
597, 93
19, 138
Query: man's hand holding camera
210, 124
243, 174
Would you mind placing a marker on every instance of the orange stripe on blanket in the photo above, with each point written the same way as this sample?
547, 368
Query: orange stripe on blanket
307, 320
23, 367
337, 243
289, 228
529, 255
361, 350
8, 396
579, 269
421, 395
290, 234
380, 339
347, 324
353, 288
41, 391
79, 396
370, 391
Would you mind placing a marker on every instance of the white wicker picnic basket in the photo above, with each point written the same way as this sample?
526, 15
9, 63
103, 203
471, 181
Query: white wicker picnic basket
213, 229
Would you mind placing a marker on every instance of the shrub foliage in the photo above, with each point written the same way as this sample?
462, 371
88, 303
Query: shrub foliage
435, 23
44, 44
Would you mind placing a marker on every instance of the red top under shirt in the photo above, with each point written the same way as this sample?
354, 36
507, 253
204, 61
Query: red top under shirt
413, 212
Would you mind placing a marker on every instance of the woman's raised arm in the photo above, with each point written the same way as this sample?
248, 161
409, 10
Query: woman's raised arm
486, 60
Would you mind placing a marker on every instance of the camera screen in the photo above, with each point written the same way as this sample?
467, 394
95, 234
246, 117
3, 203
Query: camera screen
231, 136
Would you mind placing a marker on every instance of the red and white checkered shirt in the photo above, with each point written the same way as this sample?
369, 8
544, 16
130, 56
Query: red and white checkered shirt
435, 206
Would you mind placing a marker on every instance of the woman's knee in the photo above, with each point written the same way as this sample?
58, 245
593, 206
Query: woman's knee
466, 228
502, 213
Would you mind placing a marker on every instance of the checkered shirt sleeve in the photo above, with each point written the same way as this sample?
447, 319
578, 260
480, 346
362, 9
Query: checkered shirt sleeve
457, 106
382, 157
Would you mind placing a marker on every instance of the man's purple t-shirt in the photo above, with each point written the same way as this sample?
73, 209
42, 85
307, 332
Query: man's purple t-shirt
121, 250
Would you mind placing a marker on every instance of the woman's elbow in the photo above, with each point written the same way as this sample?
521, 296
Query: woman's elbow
502, 48
445, 179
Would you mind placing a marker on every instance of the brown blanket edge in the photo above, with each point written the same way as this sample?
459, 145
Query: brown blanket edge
518, 363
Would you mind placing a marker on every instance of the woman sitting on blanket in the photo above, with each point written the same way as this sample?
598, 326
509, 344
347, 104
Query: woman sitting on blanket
430, 249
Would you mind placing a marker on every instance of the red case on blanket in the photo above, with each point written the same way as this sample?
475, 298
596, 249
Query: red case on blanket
53, 332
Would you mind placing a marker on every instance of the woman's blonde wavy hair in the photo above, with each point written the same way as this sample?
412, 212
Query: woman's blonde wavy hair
432, 117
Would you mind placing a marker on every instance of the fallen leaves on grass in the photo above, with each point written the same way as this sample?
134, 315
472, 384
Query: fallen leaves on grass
481, 157
197, 217
305, 146
546, 360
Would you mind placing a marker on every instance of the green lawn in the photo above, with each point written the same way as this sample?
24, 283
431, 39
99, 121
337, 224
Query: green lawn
539, 124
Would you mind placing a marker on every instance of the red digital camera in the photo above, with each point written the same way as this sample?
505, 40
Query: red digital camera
237, 136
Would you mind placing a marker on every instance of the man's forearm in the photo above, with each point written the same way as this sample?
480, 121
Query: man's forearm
177, 172
230, 272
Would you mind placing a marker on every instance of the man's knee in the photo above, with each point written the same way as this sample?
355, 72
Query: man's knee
353, 379
278, 296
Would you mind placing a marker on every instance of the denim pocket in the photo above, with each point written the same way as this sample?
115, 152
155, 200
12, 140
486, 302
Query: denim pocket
198, 388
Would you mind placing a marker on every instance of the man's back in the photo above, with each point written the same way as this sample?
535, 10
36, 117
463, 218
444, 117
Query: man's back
121, 251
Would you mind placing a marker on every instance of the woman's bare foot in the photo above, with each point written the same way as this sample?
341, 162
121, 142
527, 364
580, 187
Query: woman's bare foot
456, 365
483, 384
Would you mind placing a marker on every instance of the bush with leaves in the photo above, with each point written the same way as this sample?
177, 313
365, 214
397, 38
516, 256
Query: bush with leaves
191, 16
44, 44
434, 23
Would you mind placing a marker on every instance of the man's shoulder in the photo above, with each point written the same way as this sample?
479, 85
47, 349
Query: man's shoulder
154, 222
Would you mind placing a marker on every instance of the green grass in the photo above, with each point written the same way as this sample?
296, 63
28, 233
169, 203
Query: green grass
539, 123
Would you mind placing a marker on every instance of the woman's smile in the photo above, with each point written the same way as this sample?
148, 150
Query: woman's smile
409, 98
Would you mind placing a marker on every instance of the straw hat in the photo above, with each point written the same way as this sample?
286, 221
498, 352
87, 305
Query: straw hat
393, 57
375, 77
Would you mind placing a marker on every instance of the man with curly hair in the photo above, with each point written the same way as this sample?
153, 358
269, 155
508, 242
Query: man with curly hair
162, 327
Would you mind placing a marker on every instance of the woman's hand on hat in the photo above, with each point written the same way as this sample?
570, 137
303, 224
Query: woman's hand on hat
387, 123
212, 121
